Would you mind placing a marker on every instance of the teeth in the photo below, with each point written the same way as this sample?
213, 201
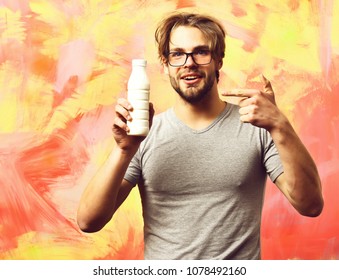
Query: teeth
190, 77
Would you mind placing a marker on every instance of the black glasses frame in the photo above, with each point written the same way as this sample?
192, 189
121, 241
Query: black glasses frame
191, 54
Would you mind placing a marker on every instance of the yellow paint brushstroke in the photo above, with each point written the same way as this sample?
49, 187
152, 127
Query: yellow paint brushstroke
293, 39
102, 90
10, 82
36, 104
237, 57
335, 27
111, 84
11, 26
60, 27
48, 12
8, 109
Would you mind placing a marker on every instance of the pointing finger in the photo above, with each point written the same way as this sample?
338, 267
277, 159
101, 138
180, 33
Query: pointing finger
241, 92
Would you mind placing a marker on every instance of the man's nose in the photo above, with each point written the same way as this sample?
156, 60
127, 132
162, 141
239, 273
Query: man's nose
190, 60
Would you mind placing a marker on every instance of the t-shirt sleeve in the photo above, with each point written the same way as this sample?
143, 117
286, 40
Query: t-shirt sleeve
133, 171
271, 157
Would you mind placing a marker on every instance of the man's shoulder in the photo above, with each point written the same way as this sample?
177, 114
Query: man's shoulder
161, 118
160, 124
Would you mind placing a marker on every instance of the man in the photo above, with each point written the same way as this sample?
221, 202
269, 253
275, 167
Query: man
202, 169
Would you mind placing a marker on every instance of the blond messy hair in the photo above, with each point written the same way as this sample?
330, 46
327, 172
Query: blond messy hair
211, 28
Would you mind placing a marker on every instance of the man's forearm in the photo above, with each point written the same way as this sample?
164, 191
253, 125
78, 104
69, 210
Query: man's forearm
300, 181
97, 204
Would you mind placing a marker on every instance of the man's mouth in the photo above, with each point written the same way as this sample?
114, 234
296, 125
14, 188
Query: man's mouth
190, 77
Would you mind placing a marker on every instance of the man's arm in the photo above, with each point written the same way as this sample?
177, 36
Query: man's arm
108, 188
300, 182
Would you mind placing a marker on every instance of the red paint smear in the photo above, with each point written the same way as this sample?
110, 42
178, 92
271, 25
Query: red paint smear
44, 163
185, 4
30, 167
22, 209
293, 4
27, 175
286, 234
263, 9
237, 11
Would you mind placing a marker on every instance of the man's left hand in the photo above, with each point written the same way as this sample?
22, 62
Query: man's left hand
258, 107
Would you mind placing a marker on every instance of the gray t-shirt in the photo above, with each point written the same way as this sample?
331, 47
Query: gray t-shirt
202, 191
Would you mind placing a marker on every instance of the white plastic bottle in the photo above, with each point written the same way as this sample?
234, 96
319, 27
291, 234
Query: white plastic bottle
138, 90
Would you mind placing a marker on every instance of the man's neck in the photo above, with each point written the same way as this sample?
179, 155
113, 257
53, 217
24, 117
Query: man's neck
199, 115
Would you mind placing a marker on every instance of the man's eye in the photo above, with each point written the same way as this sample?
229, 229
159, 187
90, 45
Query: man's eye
177, 54
202, 52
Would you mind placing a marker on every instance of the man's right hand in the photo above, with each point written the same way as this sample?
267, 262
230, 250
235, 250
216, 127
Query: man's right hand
125, 142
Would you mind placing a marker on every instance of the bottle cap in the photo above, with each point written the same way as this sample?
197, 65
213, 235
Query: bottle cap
139, 62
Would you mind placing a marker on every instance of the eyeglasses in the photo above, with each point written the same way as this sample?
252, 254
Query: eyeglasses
200, 57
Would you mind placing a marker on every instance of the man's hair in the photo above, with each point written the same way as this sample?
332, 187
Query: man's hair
209, 26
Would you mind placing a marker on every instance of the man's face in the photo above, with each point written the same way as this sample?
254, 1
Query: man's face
191, 81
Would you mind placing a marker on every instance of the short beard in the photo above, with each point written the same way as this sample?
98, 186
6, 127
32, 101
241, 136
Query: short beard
198, 96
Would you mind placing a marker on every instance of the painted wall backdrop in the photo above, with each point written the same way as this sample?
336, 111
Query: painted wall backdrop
64, 63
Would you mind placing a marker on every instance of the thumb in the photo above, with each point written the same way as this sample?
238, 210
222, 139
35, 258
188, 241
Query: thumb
267, 85
268, 88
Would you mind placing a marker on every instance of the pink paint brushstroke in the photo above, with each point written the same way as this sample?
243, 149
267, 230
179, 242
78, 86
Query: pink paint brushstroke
16, 5
325, 52
76, 59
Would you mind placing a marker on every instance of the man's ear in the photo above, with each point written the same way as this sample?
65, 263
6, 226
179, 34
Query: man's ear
165, 65
220, 64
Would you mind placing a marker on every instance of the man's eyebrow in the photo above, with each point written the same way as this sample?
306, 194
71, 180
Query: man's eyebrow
200, 47
177, 50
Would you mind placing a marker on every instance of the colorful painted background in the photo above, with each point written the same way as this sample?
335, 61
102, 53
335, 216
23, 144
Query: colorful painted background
64, 63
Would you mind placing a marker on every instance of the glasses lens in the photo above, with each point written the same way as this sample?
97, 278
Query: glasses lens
177, 58
202, 57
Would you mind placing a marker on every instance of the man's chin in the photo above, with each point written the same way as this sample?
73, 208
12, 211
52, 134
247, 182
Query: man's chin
192, 96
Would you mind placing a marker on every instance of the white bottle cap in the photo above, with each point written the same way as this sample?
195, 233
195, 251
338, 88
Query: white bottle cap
140, 62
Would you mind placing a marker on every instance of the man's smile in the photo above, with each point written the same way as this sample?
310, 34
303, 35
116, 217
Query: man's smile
191, 78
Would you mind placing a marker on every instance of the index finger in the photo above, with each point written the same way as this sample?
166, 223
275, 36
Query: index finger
241, 92
124, 103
